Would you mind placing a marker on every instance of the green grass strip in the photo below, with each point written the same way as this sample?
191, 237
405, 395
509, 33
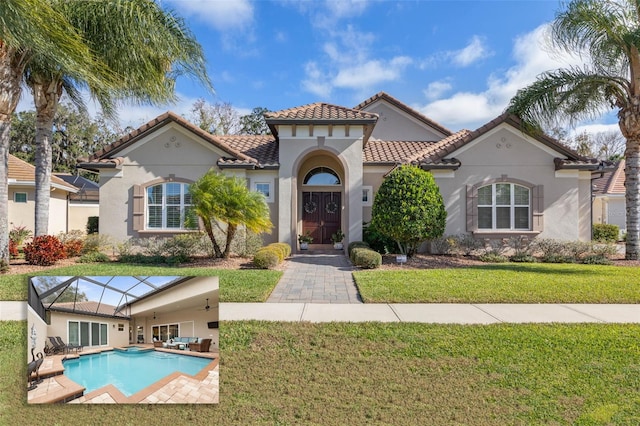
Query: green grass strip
251, 285
509, 283
383, 373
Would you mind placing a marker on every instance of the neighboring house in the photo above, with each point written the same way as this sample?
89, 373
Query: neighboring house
22, 198
123, 310
609, 205
83, 204
322, 166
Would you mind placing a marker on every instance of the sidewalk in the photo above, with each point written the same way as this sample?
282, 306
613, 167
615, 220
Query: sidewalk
437, 313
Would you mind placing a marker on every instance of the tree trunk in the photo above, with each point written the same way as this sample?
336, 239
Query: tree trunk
231, 233
209, 229
629, 121
46, 95
11, 68
632, 198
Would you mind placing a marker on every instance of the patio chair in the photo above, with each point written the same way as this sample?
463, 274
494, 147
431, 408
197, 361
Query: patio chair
201, 346
70, 346
56, 347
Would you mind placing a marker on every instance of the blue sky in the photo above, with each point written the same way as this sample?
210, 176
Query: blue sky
458, 62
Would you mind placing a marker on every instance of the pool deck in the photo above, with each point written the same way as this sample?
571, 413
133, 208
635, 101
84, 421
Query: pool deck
176, 388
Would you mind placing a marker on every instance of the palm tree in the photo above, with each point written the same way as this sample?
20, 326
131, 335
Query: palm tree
606, 33
144, 47
226, 203
29, 27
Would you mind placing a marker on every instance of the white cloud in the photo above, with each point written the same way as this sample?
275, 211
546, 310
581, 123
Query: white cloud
436, 89
316, 81
346, 8
473, 52
471, 110
371, 73
221, 15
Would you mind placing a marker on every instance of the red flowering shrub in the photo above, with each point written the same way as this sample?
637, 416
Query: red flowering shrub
73, 247
13, 249
44, 250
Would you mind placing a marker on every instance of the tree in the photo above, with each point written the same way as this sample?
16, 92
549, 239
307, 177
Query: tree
75, 134
226, 203
254, 123
143, 56
409, 209
609, 145
606, 31
217, 119
27, 28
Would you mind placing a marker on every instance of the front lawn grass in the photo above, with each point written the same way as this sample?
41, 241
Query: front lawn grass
383, 373
503, 283
250, 285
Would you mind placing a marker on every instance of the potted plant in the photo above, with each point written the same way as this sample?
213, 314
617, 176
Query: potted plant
304, 240
337, 239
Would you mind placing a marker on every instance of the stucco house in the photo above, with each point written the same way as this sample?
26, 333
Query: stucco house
323, 163
609, 203
22, 187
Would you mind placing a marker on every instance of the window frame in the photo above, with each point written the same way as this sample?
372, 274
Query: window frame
26, 197
512, 206
268, 198
368, 189
184, 190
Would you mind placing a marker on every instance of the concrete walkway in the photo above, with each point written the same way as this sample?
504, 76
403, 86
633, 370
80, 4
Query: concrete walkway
320, 277
437, 313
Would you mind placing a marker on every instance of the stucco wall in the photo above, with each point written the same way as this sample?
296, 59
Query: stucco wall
23, 214
270, 177
80, 213
394, 125
34, 320
506, 151
170, 150
59, 327
296, 151
610, 209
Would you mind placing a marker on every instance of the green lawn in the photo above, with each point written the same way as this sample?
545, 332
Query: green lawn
251, 285
503, 283
379, 373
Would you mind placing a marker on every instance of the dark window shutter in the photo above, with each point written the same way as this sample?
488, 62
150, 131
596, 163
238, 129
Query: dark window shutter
138, 208
472, 208
537, 204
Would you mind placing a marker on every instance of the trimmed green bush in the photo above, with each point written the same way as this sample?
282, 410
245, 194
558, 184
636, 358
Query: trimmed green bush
266, 258
355, 244
492, 257
605, 232
93, 257
377, 241
366, 258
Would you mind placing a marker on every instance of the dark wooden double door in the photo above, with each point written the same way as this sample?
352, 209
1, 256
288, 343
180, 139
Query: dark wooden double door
321, 212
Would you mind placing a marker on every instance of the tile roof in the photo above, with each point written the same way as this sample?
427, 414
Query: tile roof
320, 111
89, 307
404, 107
21, 171
611, 182
384, 152
106, 155
262, 148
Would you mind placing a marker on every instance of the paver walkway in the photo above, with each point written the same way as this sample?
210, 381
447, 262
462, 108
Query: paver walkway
316, 278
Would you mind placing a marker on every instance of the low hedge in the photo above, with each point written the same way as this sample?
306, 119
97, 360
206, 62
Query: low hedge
356, 244
271, 255
366, 258
605, 232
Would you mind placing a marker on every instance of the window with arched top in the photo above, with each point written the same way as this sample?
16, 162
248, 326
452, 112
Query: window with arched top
504, 206
321, 176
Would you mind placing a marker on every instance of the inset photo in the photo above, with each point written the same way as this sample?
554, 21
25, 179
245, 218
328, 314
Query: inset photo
122, 339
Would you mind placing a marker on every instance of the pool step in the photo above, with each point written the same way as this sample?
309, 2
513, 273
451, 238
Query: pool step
55, 389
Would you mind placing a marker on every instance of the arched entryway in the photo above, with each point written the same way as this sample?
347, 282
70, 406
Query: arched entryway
321, 195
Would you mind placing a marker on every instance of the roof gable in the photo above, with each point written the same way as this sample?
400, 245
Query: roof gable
385, 97
22, 172
106, 155
611, 182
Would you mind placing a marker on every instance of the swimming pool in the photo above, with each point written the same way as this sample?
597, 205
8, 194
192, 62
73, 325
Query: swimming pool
129, 371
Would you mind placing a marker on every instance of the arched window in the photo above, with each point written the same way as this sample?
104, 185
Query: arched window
504, 206
321, 176
168, 204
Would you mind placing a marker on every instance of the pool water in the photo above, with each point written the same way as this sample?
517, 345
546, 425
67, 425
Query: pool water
129, 371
